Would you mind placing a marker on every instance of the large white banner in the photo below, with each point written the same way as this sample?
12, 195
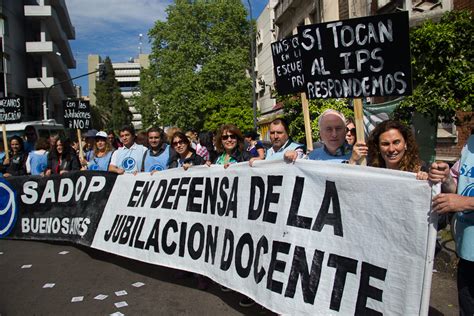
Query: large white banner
306, 238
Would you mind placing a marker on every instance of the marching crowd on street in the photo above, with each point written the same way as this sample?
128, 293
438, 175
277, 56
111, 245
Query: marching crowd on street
390, 145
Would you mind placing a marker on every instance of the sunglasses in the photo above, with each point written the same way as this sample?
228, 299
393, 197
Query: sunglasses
352, 130
226, 137
179, 142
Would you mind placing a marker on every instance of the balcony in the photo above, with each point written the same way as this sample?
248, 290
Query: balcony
56, 30
285, 9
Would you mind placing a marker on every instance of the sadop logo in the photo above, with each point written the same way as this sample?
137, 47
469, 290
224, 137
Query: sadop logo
157, 168
468, 190
40, 167
94, 167
128, 164
8, 208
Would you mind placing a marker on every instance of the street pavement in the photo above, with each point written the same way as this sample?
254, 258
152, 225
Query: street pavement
87, 273
27, 266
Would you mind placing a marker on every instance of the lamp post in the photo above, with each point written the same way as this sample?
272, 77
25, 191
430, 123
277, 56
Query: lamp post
252, 65
45, 101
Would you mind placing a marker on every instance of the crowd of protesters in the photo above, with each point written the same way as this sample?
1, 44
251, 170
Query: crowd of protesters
390, 145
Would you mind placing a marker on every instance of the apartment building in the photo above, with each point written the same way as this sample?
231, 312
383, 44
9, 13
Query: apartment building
36, 55
128, 76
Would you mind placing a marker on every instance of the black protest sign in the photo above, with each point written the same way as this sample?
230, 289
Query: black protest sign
77, 114
357, 58
10, 110
287, 65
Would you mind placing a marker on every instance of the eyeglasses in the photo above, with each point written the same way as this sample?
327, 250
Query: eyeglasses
231, 136
352, 130
179, 142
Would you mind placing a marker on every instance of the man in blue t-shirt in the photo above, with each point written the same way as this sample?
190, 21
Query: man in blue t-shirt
458, 198
332, 130
129, 158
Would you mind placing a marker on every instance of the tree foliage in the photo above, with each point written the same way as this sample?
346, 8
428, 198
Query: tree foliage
294, 114
110, 105
198, 67
442, 63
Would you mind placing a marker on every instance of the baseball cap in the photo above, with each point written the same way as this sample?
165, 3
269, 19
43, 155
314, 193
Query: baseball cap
101, 134
90, 133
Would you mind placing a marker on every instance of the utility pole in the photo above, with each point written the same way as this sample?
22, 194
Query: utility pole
252, 65
45, 104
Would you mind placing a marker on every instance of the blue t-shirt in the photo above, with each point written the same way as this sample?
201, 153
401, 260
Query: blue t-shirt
342, 154
100, 163
159, 162
465, 220
38, 162
129, 159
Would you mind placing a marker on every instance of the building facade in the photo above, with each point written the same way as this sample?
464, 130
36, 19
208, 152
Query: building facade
289, 14
128, 76
264, 63
36, 55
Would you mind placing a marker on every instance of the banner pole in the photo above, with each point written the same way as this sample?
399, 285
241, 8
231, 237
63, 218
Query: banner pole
307, 122
79, 139
305, 105
5, 142
359, 123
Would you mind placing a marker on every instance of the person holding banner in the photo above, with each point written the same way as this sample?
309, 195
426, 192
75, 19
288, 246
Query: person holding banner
16, 165
332, 131
230, 143
62, 158
283, 147
457, 187
37, 160
185, 156
392, 145
129, 158
101, 153
157, 157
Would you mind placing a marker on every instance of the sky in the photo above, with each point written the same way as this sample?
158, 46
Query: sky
112, 28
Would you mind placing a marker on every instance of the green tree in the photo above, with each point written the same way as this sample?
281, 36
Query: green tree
110, 105
442, 64
198, 67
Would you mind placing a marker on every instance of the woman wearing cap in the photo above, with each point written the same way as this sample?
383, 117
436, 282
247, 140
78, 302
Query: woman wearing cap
101, 153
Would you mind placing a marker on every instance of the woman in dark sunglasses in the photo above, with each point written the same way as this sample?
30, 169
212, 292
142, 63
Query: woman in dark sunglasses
350, 131
230, 145
185, 155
